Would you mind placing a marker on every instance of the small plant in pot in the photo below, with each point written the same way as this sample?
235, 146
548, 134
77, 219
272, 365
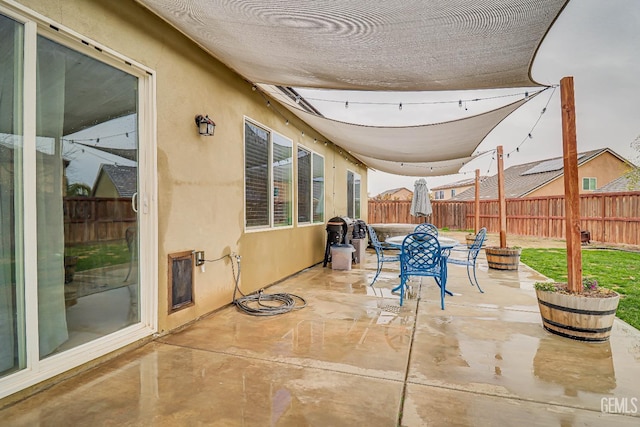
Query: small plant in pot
587, 315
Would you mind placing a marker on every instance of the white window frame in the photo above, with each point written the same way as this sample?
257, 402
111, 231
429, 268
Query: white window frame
312, 220
588, 181
271, 199
38, 370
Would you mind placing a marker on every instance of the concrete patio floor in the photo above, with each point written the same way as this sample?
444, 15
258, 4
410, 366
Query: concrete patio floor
353, 357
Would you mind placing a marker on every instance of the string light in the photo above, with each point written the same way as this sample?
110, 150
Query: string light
287, 123
400, 106
460, 103
346, 104
268, 103
530, 133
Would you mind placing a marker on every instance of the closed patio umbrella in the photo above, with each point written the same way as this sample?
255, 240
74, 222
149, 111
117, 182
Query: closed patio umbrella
421, 205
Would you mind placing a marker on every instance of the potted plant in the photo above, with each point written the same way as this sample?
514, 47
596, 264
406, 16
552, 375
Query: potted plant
586, 315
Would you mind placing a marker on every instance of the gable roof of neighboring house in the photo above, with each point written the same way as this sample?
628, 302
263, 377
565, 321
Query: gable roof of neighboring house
461, 183
393, 191
124, 178
617, 185
521, 180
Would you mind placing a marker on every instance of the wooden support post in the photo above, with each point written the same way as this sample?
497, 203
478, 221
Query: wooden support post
502, 207
571, 186
476, 223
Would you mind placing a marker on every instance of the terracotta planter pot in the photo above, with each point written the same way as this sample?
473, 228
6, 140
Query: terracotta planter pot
576, 316
503, 258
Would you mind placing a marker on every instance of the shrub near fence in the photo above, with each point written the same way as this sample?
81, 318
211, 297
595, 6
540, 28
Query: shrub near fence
609, 217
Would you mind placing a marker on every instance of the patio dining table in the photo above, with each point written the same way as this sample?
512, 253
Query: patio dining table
446, 244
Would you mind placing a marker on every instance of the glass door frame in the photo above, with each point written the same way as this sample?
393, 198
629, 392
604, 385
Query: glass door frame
37, 370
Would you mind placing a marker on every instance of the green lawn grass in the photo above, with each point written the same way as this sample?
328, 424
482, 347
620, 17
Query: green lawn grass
616, 270
99, 255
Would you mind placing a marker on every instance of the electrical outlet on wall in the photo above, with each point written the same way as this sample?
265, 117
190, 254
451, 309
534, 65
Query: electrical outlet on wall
199, 258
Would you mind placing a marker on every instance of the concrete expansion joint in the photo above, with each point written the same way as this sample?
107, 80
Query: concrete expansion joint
287, 363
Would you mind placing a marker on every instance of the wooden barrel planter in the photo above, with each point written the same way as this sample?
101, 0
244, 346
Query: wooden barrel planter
576, 316
503, 258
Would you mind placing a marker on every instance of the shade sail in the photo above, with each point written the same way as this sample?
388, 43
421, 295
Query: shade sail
369, 44
413, 144
446, 167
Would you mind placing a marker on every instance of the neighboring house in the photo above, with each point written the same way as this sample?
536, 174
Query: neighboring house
115, 181
395, 194
596, 168
447, 191
104, 74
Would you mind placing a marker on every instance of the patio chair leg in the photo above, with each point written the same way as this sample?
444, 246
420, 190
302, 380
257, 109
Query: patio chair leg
475, 278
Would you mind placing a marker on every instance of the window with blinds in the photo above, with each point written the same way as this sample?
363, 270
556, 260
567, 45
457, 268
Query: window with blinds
304, 185
256, 176
310, 186
282, 181
318, 188
268, 169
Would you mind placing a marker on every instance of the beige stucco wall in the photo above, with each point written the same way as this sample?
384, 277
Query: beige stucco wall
200, 179
605, 168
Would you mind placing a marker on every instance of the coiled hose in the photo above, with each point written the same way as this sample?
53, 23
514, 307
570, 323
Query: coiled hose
253, 304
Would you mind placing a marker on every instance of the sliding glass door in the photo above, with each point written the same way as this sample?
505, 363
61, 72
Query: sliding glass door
12, 333
71, 257
86, 174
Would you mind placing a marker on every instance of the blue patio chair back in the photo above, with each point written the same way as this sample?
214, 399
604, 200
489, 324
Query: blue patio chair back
472, 255
426, 227
421, 256
381, 258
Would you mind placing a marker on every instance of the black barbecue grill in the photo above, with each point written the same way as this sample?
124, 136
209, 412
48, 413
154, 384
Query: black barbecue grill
339, 230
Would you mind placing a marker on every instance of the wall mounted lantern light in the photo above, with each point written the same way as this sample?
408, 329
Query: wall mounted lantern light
205, 125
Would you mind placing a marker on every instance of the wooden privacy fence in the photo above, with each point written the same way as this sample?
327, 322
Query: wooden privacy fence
609, 217
93, 219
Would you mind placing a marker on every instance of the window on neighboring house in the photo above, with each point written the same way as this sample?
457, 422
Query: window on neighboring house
268, 178
310, 186
588, 183
353, 195
439, 195
453, 192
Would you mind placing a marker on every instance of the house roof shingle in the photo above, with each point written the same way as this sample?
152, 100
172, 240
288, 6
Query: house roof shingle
124, 178
520, 180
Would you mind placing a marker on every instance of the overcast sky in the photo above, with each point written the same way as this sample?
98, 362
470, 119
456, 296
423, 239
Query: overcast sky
595, 41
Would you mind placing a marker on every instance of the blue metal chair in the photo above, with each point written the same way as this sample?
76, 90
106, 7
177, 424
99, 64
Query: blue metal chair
426, 227
381, 257
472, 255
421, 256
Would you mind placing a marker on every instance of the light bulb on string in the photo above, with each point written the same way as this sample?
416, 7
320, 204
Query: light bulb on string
460, 103
286, 122
518, 149
298, 99
400, 106
543, 110
268, 103
530, 136
346, 105
526, 96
